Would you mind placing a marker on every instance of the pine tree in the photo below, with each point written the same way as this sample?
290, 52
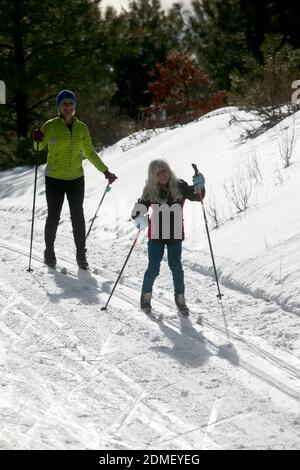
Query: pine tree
221, 32
216, 33
151, 35
47, 46
265, 89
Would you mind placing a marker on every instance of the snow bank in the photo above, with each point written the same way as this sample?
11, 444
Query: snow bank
256, 249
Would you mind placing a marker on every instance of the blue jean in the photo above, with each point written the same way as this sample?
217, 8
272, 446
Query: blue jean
156, 250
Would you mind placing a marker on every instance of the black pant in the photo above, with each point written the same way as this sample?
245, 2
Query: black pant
55, 194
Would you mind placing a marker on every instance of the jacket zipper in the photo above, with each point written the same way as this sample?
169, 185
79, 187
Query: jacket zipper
70, 151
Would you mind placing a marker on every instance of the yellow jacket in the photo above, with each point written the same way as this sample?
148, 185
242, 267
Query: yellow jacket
66, 149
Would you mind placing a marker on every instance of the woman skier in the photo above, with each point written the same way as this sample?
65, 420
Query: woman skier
165, 193
67, 139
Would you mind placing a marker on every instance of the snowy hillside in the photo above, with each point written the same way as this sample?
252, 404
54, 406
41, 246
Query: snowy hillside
73, 376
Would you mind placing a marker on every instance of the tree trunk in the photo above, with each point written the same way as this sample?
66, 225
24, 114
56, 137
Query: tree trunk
20, 87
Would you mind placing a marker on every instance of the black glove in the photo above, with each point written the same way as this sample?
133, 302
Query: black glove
111, 177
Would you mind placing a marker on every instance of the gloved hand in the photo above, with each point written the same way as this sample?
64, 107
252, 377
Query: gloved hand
38, 135
111, 177
199, 183
141, 221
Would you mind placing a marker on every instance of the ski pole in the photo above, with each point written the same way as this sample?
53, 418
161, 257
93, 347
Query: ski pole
123, 267
219, 295
33, 207
107, 189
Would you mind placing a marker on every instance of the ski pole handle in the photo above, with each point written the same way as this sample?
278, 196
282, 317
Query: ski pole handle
195, 168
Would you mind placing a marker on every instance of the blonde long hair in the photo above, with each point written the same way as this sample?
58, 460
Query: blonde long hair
152, 189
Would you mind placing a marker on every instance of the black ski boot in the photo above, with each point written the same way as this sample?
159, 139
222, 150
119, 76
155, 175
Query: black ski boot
81, 260
146, 302
181, 305
50, 258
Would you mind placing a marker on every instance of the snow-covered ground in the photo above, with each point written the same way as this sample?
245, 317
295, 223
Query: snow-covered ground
74, 376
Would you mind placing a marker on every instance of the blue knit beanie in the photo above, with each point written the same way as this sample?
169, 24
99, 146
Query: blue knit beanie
63, 95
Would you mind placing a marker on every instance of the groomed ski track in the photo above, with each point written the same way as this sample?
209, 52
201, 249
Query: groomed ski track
74, 376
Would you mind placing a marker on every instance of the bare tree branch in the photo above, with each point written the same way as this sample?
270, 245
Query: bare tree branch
36, 105
7, 46
41, 48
